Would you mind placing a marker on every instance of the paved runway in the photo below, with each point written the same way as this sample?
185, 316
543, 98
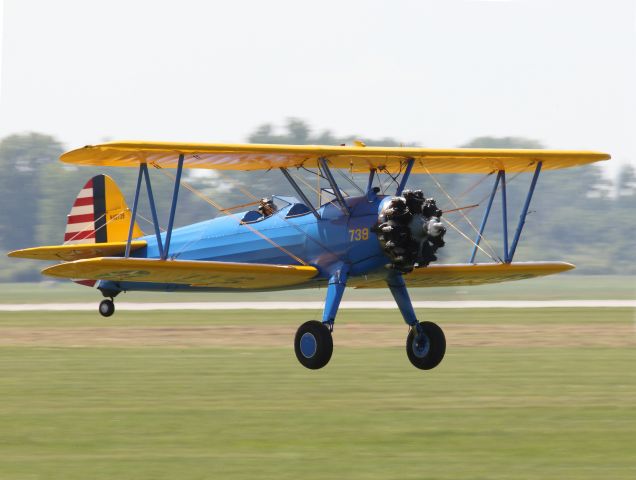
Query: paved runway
375, 305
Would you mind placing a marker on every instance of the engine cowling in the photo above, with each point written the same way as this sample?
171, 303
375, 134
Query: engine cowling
410, 230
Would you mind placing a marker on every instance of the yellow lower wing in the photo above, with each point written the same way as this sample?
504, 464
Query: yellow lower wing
185, 272
473, 274
77, 251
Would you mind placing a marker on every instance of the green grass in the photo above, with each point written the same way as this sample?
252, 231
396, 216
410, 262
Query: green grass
216, 413
559, 287
252, 413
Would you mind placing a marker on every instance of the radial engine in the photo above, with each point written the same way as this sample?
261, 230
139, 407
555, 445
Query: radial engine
410, 230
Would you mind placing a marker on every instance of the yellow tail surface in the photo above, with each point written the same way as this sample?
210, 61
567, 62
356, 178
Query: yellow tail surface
97, 226
99, 214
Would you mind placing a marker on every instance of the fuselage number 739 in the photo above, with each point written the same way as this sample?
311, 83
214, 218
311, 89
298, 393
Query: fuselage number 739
358, 234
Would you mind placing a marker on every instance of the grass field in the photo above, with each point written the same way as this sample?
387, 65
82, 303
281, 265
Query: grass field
197, 395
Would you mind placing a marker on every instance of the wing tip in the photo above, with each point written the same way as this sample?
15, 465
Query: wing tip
29, 253
51, 271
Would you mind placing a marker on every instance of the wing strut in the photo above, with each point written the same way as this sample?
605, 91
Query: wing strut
509, 253
143, 171
370, 183
226, 211
405, 177
504, 215
153, 209
173, 208
134, 213
334, 185
524, 212
299, 192
485, 218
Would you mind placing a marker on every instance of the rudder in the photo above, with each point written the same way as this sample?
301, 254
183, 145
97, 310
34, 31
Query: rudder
99, 214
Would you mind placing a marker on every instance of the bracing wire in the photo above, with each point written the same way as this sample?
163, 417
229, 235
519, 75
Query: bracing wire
394, 179
476, 184
248, 204
508, 182
460, 210
226, 211
221, 209
115, 217
473, 187
150, 222
318, 173
84, 231
304, 182
382, 189
237, 184
355, 185
467, 207
494, 258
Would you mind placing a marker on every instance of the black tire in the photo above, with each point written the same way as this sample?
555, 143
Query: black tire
430, 354
106, 308
313, 345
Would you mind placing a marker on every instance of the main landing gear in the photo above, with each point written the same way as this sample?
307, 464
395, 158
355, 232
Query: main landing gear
313, 343
425, 345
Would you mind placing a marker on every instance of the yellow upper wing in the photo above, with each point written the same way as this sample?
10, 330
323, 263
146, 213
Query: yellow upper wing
185, 272
358, 159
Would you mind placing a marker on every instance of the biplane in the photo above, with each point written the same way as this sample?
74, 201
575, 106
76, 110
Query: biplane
377, 239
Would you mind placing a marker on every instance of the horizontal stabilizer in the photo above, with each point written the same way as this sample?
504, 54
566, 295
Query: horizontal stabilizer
185, 272
78, 251
474, 274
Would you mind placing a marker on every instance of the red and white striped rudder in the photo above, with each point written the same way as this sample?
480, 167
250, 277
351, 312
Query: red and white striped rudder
99, 214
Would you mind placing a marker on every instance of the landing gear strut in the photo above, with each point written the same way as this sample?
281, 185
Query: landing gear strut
425, 343
313, 343
107, 307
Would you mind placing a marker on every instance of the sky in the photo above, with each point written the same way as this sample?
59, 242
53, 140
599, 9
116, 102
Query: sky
435, 73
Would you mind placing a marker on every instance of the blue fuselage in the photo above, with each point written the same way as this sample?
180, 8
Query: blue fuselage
326, 243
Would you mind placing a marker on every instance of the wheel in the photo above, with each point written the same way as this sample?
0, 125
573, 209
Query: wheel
313, 344
426, 352
106, 308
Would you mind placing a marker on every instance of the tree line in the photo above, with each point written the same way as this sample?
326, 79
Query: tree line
577, 215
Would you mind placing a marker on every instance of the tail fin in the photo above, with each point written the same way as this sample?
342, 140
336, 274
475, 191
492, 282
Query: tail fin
99, 214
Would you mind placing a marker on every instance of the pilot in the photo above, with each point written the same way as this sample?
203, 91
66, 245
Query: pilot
266, 207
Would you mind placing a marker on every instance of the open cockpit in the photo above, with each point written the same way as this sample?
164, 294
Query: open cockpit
289, 207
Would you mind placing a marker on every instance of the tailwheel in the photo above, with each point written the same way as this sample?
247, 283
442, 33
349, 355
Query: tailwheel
313, 344
106, 308
426, 345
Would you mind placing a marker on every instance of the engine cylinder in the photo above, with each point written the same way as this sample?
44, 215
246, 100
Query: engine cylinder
410, 230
